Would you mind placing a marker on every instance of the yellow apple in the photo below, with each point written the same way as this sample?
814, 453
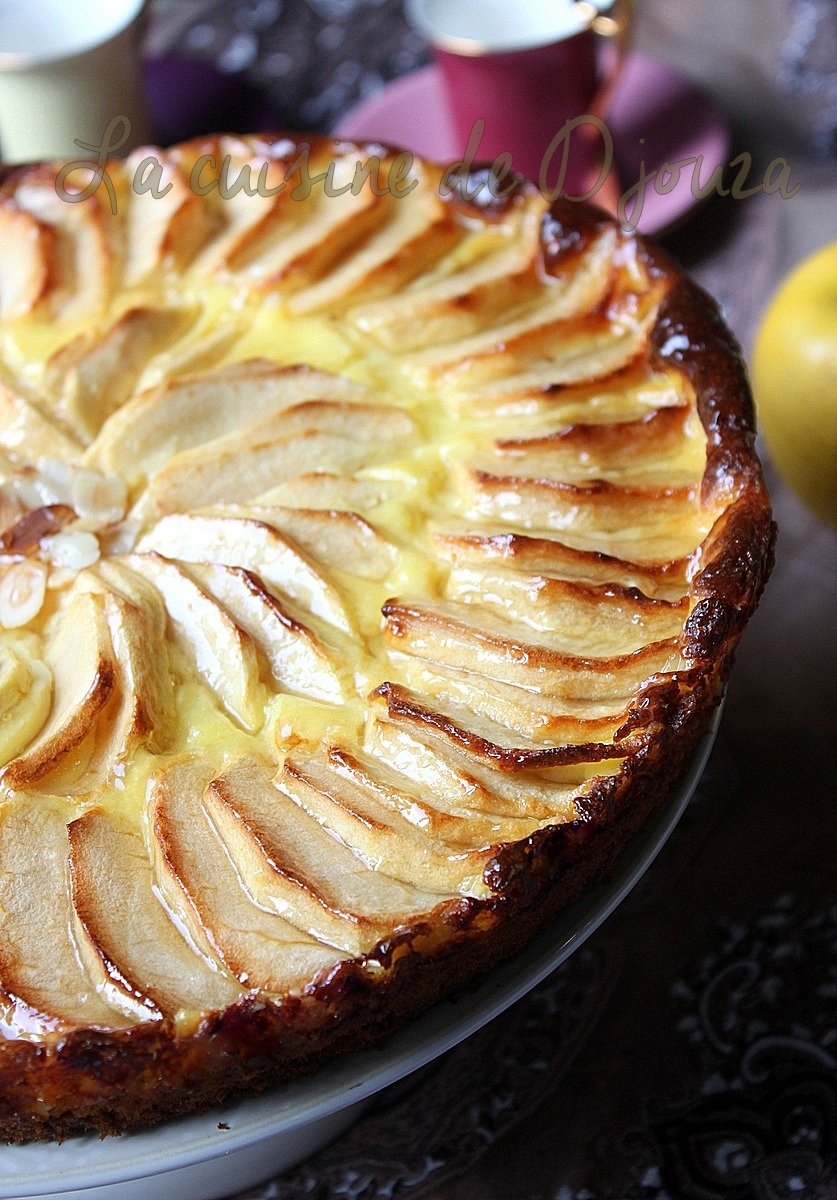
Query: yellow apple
795, 381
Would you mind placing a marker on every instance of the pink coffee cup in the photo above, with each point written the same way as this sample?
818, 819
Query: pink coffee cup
525, 68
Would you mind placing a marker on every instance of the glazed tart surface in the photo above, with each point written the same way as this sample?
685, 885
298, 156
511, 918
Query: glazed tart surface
369, 565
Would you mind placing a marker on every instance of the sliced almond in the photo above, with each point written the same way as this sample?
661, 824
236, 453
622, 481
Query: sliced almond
99, 498
22, 592
72, 548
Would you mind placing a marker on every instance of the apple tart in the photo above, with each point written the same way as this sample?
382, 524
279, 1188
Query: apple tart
370, 565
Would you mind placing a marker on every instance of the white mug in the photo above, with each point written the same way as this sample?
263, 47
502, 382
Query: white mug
67, 68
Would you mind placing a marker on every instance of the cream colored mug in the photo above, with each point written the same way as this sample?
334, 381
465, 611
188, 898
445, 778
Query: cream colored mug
67, 68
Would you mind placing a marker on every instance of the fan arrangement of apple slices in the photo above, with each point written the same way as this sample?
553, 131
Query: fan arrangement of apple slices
342, 538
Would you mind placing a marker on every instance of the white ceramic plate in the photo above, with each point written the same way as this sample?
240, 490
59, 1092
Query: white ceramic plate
197, 1159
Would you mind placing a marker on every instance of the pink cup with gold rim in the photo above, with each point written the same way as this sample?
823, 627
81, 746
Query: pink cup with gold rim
525, 68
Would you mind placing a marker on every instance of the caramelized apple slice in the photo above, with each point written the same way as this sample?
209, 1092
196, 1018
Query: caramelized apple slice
489, 273
137, 619
581, 362
544, 720
468, 814
545, 358
293, 866
388, 258
562, 307
41, 962
628, 393
579, 611
147, 711
127, 926
142, 436
79, 654
242, 217
218, 648
478, 742
116, 576
201, 886
557, 560
94, 373
316, 233
496, 806
376, 831
297, 658
236, 542
456, 637
666, 447
662, 523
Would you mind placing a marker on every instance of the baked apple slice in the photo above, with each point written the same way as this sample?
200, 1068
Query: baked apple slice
387, 261
26, 429
478, 743
127, 926
42, 962
373, 826
547, 556
298, 659
168, 227
184, 413
92, 375
543, 720
541, 356
340, 539
456, 636
240, 217
462, 783
312, 236
462, 295
79, 241
25, 696
579, 610
398, 771
326, 492
291, 865
201, 885
239, 542
236, 467
79, 654
660, 523
220, 651
563, 305
666, 447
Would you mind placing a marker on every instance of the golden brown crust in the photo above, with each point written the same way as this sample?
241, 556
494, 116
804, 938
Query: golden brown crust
108, 1081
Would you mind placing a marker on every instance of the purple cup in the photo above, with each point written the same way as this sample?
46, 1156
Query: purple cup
520, 82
